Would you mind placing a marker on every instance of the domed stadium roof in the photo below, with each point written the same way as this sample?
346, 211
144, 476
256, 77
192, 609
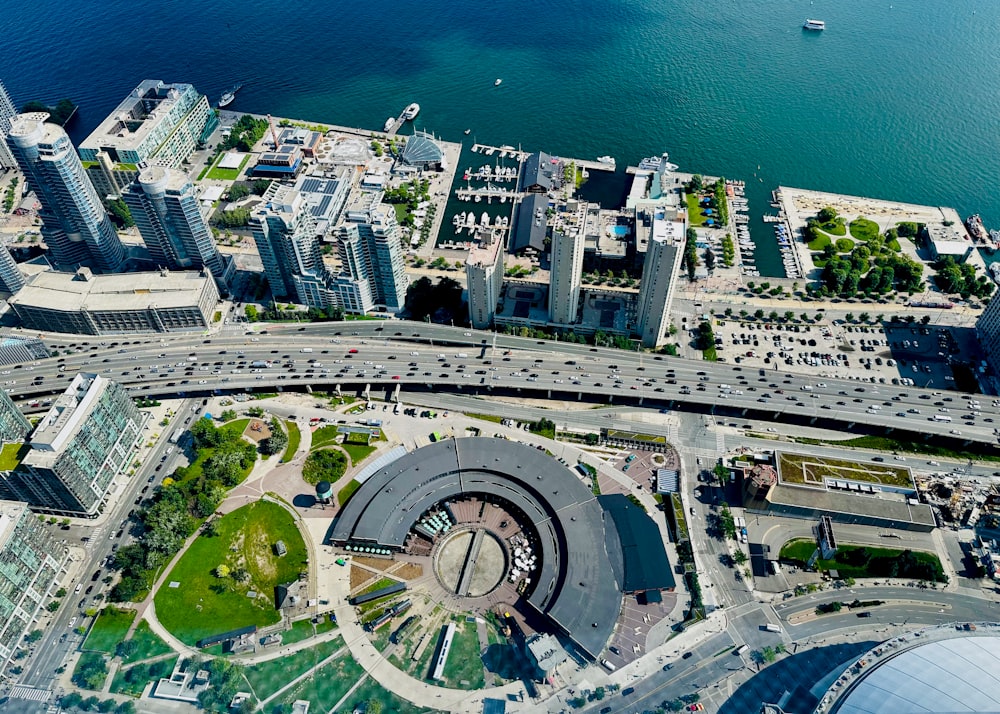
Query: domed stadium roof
959, 674
421, 150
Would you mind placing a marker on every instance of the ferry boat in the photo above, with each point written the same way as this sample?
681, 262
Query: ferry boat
817, 25
228, 97
388, 123
411, 112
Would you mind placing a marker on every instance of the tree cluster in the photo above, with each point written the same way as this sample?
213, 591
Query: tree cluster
178, 507
235, 218
690, 259
441, 302
719, 201
277, 441
706, 337
90, 671
246, 132
324, 465
869, 268
962, 279
119, 213
545, 427
225, 679
59, 114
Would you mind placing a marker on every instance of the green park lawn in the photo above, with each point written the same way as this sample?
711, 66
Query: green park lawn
326, 686
835, 227
347, 491
324, 436
856, 561
863, 229
109, 629
194, 471
370, 690
844, 245
294, 439
218, 174
358, 452
271, 675
148, 644
132, 680
821, 241
464, 669
799, 550
694, 210
203, 604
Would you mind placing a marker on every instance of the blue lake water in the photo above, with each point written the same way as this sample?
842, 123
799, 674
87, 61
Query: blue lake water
897, 99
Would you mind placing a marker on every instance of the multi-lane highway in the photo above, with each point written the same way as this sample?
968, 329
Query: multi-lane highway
421, 356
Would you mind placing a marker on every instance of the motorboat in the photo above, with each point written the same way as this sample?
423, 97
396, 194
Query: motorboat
411, 112
817, 25
497, 82
610, 160
228, 97
388, 123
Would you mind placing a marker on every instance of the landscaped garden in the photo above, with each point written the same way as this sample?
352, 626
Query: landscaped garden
325, 465
265, 678
855, 561
807, 470
294, 439
215, 575
109, 629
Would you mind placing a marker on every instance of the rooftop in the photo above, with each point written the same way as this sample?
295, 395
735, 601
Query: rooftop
484, 252
10, 514
61, 422
115, 292
137, 115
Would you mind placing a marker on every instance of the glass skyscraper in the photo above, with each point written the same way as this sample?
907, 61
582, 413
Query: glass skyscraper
75, 225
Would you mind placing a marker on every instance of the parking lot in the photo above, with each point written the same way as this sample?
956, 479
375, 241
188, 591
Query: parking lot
886, 353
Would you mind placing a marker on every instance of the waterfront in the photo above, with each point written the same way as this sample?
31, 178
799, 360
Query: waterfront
881, 104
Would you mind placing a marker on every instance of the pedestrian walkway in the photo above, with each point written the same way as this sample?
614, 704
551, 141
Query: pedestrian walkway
34, 694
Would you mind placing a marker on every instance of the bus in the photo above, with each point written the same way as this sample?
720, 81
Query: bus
176, 436
941, 417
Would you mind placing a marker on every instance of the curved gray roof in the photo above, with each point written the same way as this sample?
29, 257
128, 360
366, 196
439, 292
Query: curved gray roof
577, 587
961, 674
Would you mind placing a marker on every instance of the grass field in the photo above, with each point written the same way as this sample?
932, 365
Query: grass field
133, 680
324, 436
632, 436
358, 452
820, 242
12, 454
294, 439
694, 210
371, 691
149, 644
326, 686
856, 561
268, 677
810, 471
465, 668
203, 604
109, 629
347, 491
237, 426
217, 174
863, 229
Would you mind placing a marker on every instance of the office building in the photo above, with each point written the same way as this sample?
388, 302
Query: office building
285, 233
13, 425
665, 232
370, 252
87, 304
87, 437
32, 562
988, 331
566, 275
484, 278
11, 277
7, 113
75, 226
165, 208
157, 123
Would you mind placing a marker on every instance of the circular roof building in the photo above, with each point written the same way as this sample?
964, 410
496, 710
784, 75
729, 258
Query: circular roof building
590, 549
937, 671
423, 151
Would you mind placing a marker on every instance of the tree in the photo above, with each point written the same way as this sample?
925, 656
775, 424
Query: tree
90, 671
827, 215
251, 312
238, 191
228, 415
739, 557
373, 706
33, 636
108, 705
90, 703
70, 700
277, 441
61, 592
221, 571
709, 259
696, 182
52, 606
119, 213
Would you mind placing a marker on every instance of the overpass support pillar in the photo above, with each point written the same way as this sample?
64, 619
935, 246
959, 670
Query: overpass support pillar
640, 400
812, 420
309, 389
368, 392
548, 394
395, 394
336, 388
851, 425
579, 396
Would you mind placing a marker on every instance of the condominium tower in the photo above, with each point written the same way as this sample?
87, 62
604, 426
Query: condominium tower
7, 114
157, 123
285, 233
164, 206
665, 231
14, 427
484, 277
11, 277
371, 254
988, 331
566, 275
87, 438
75, 226
32, 560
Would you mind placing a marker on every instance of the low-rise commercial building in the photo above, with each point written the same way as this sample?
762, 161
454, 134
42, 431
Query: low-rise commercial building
87, 437
83, 303
32, 560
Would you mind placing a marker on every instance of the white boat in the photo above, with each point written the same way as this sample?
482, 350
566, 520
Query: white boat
610, 160
388, 123
497, 82
814, 25
228, 97
411, 112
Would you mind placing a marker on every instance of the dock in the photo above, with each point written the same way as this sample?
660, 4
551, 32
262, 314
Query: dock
510, 152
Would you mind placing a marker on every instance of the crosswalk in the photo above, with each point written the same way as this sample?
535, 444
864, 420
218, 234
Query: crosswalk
720, 442
34, 694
